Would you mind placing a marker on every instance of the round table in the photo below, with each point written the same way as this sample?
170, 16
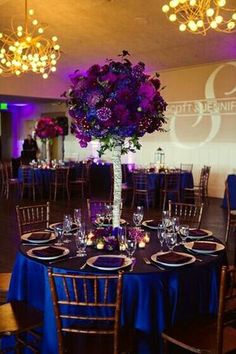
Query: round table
152, 298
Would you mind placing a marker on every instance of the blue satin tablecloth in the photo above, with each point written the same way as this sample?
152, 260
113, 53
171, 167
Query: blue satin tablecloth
231, 179
152, 299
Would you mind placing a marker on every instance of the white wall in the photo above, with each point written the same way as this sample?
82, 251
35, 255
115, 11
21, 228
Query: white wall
201, 123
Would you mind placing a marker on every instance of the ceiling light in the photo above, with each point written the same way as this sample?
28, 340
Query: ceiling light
26, 49
198, 16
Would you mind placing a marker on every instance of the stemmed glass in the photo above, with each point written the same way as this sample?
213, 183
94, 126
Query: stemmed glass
138, 216
59, 235
121, 235
171, 240
166, 219
131, 245
175, 223
184, 232
81, 241
77, 217
161, 234
108, 213
67, 223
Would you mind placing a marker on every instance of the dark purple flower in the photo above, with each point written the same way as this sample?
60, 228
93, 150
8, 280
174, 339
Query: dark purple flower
104, 114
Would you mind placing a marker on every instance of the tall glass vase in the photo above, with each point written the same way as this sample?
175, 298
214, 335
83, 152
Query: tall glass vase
116, 158
48, 150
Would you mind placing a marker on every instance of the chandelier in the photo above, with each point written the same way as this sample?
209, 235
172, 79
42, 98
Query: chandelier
198, 16
26, 49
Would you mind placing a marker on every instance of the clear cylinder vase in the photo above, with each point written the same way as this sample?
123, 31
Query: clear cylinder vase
116, 159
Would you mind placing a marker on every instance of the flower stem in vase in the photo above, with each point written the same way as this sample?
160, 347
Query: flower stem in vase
116, 158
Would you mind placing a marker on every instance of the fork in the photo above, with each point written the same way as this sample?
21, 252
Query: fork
147, 261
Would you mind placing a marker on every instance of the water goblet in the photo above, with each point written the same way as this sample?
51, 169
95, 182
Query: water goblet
121, 236
166, 219
99, 219
161, 234
67, 223
59, 235
131, 245
140, 209
183, 232
77, 217
171, 240
81, 241
137, 218
175, 223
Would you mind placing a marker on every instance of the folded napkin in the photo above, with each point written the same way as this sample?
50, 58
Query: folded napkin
39, 236
197, 232
172, 258
152, 223
205, 246
109, 262
48, 252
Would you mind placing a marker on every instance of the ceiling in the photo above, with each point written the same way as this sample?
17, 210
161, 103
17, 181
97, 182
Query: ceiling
90, 31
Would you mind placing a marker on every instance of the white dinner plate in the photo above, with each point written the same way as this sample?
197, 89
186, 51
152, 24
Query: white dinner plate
31, 254
192, 259
122, 222
219, 247
52, 226
25, 237
127, 262
209, 233
144, 223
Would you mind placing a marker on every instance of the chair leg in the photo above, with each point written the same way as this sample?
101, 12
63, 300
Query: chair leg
165, 346
164, 202
227, 230
68, 192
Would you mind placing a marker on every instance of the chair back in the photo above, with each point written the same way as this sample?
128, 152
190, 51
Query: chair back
87, 304
186, 167
32, 218
95, 207
61, 177
28, 177
140, 182
172, 182
190, 214
8, 170
227, 304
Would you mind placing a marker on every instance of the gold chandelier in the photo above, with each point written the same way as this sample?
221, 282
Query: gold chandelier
198, 16
27, 50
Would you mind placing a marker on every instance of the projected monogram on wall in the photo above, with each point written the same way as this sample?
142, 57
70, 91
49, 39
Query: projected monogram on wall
211, 106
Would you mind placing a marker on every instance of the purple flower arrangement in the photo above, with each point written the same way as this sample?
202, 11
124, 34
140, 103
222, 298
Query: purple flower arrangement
115, 100
47, 128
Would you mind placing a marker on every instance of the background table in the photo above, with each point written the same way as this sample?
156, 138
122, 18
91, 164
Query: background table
231, 179
152, 299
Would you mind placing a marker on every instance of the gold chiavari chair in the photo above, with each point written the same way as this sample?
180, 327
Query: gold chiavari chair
142, 189
60, 181
171, 187
29, 183
231, 214
81, 182
199, 193
87, 305
11, 183
21, 320
33, 217
186, 167
209, 334
4, 286
190, 214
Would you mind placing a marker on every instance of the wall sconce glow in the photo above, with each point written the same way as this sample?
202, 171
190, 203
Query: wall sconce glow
199, 16
25, 49
3, 106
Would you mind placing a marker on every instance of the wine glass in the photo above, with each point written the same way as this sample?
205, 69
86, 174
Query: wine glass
183, 232
59, 235
137, 218
77, 217
175, 223
161, 234
140, 209
81, 241
166, 219
67, 223
131, 245
108, 212
121, 236
171, 240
